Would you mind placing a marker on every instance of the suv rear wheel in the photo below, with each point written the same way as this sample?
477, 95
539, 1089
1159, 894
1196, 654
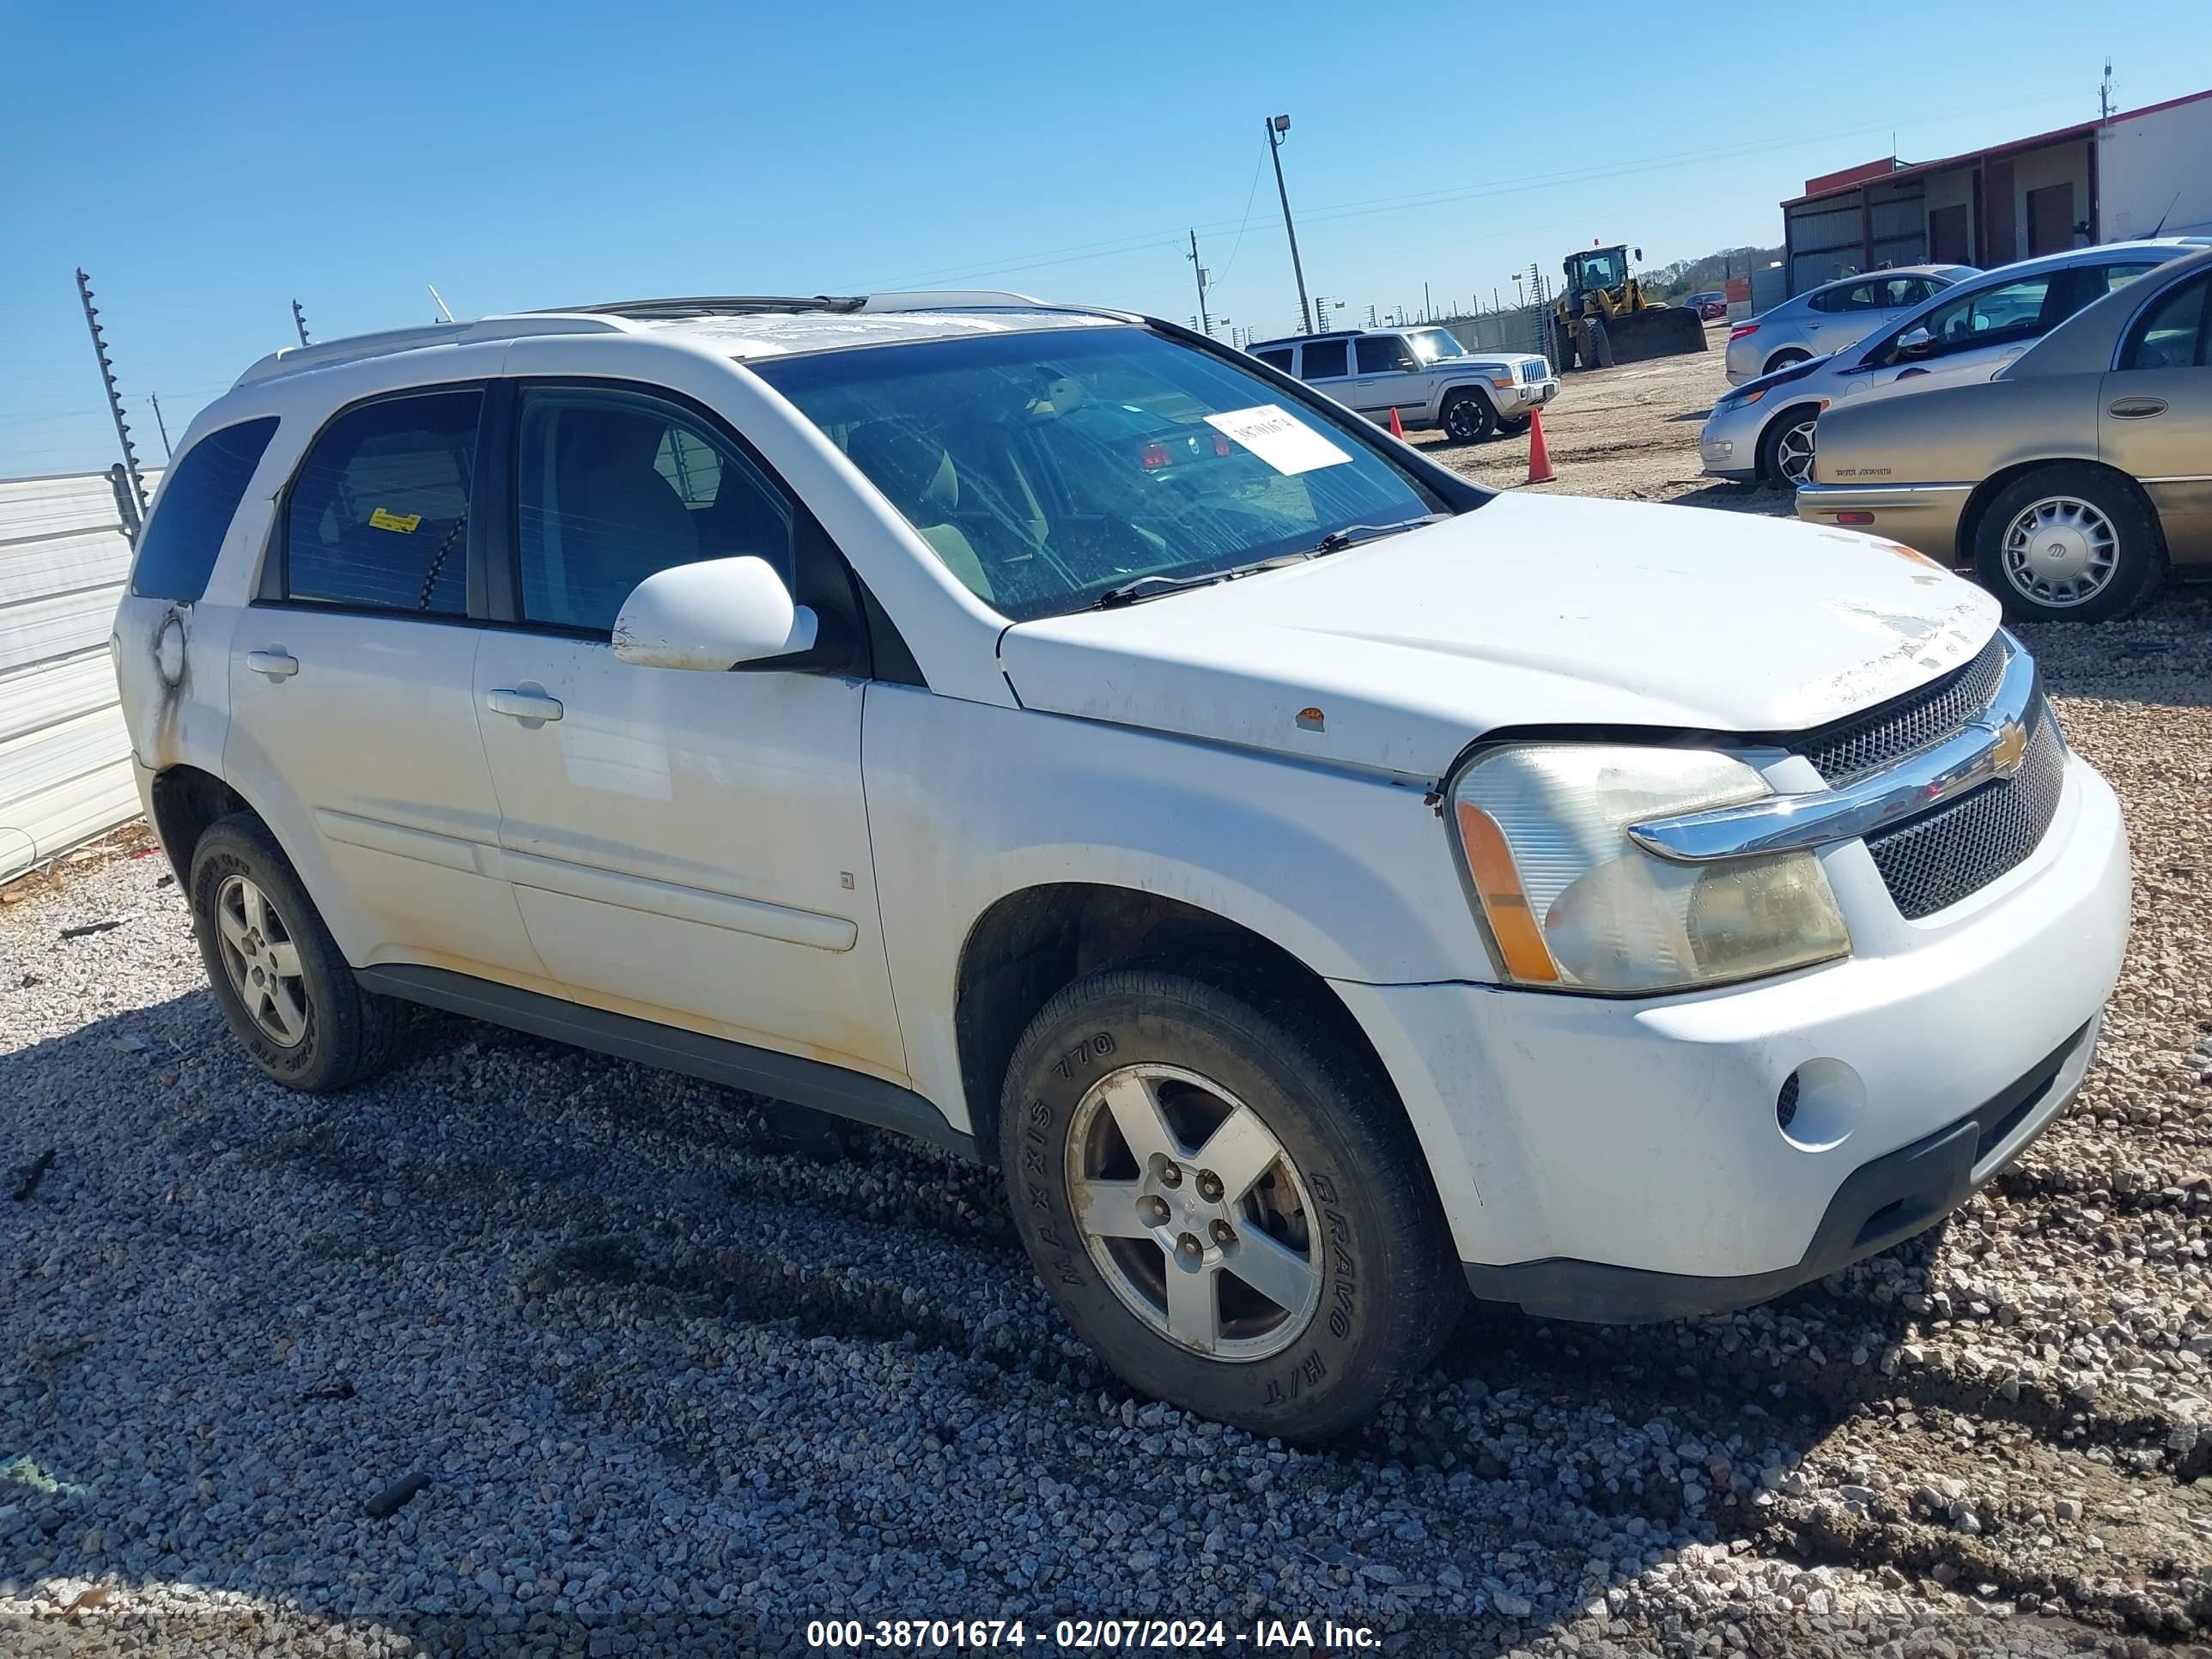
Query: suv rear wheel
277, 975
1232, 1212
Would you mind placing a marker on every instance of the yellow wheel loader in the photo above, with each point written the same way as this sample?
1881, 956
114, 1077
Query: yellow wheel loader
1603, 317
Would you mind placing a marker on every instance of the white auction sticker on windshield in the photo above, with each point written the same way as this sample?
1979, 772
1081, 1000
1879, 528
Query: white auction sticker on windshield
1279, 438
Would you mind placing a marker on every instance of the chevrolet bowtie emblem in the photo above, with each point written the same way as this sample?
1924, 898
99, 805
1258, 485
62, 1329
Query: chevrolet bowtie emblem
2011, 745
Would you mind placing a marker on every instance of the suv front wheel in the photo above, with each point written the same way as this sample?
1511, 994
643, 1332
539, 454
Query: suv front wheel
1227, 1205
1468, 417
287, 993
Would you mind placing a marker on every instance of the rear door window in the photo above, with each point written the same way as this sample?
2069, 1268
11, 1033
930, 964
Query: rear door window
1325, 360
377, 516
198, 500
1859, 297
1276, 359
2172, 333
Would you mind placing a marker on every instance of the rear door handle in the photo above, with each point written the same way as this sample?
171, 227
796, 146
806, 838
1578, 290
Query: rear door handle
276, 662
2137, 408
524, 705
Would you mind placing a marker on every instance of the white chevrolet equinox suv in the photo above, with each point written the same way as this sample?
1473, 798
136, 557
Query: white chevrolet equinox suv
1320, 884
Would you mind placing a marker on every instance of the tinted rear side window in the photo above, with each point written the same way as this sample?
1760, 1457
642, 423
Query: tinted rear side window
198, 503
1275, 360
1325, 361
379, 514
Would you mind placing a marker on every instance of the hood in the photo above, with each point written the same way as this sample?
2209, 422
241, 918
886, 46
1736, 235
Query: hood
1749, 390
1530, 610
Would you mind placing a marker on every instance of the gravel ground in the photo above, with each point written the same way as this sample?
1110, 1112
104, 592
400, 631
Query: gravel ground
660, 1387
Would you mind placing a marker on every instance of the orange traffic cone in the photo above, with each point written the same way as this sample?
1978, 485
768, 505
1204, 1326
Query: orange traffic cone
1397, 427
1540, 459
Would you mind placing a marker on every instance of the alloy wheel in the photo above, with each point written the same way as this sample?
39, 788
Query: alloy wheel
262, 960
1793, 453
1193, 1213
2060, 551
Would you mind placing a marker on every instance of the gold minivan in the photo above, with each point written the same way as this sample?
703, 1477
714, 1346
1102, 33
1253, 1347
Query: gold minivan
2071, 480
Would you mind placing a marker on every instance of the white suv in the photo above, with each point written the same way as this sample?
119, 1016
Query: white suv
1320, 883
1425, 374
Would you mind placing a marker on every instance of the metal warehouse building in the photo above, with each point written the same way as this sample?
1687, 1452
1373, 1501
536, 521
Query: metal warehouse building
2147, 171
65, 757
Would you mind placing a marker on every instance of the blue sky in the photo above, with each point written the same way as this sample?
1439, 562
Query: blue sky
207, 163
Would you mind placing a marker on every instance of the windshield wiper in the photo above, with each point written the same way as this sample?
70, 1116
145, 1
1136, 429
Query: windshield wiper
1151, 587
1351, 534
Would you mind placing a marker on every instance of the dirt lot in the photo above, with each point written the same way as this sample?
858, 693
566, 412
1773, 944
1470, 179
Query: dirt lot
672, 1388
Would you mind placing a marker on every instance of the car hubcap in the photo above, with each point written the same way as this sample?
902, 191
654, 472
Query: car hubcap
262, 962
1463, 422
2061, 551
1793, 455
1193, 1213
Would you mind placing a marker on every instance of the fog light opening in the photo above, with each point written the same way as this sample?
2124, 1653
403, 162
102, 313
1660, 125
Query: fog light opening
1819, 1105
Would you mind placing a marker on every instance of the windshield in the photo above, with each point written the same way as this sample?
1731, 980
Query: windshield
1048, 470
1430, 343
1606, 269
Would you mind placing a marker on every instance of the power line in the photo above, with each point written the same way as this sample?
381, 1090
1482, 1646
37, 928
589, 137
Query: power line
1366, 206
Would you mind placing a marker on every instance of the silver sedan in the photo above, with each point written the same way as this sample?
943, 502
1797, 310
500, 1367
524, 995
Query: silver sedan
1831, 317
1763, 428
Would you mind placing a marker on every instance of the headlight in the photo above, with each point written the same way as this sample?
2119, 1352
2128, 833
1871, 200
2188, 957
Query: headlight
1573, 904
1738, 400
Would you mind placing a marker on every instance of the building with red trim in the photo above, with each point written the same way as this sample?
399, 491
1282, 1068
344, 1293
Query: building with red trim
2144, 172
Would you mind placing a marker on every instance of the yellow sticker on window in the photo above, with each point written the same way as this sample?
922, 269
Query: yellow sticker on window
403, 523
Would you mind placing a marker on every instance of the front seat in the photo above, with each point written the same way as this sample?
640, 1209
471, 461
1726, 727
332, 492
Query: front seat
918, 478
620, 520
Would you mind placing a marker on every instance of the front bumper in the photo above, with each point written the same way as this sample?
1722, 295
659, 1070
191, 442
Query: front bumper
1925, 517
1879, 1203
1597, 1153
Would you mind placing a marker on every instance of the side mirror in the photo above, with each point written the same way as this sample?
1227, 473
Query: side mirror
1913, 341
716, 615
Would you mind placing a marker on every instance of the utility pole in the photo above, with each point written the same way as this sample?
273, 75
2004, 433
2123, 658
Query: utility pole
1428, 310
2104, 93
1204, 326
114, 398
299, 322
167, 453
1278, 127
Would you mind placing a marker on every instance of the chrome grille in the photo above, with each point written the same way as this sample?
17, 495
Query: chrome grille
1534, 369
1934, 860
1880, 738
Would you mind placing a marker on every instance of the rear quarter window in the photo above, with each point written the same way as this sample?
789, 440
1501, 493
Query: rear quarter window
199, 499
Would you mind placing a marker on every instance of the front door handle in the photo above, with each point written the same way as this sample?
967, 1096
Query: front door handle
524, 705
276, 662
2137, 408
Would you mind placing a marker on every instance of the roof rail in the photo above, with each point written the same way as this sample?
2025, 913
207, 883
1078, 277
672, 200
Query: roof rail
716, 305
949, 299
360, 347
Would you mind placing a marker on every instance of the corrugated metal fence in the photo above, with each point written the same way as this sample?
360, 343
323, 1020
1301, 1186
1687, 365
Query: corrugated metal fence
64, 759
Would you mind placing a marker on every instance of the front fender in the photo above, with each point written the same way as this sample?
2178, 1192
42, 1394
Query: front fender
1351, 872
